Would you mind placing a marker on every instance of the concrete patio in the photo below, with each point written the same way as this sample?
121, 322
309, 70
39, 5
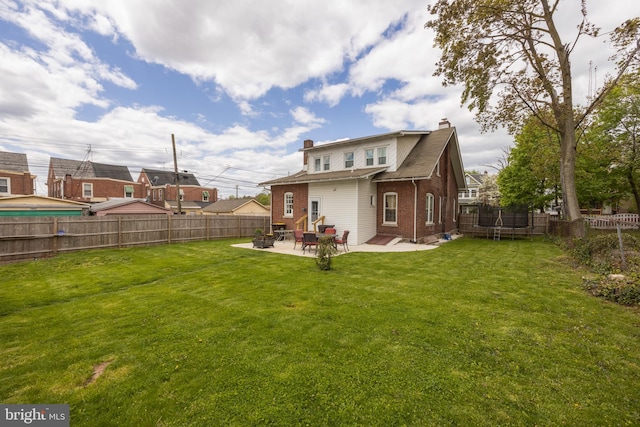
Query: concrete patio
286, 247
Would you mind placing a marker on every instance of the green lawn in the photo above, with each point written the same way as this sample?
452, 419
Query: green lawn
475, 332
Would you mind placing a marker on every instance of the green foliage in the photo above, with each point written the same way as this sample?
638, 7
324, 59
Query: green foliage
326, 250
625, 291
532, 175
264, 199
601, 253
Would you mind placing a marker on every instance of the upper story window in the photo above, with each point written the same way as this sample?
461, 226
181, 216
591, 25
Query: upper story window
382, 155
326, 163
429, 209
5, 187
181, 195
368, 157
317, 164
438, 168
128, 191
205, 196
390, 208
348, 160
87, 190
288, 204
160, 194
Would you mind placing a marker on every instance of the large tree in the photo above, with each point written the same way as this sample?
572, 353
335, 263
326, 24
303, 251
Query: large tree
531, 176
513, 49
617, 125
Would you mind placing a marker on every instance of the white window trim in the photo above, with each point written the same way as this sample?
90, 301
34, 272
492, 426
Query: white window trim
317, 164
8, 185
439, 209
326, 162
372, 158
288, 214
429, 208
346, 159
384, 209
386, 155
84, 192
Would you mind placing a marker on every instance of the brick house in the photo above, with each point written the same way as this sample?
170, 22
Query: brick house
161, 190
401, 184
15, 178
90, 182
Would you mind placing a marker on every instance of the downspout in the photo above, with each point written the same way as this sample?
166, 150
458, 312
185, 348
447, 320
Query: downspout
415, 211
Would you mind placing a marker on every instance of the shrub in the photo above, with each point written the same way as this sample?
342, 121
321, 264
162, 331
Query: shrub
602, 254
326, 249
625, 291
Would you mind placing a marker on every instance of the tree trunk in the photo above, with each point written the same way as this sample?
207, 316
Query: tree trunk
567, 170
634, 190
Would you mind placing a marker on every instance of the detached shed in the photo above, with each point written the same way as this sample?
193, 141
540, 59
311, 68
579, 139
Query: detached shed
128, 207
32, 205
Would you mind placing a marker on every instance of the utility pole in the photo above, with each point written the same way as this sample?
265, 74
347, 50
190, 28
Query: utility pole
175, 168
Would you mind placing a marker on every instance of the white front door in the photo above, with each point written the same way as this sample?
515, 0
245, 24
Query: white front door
315, 210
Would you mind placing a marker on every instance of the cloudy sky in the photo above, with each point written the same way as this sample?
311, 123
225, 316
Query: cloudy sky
240, 84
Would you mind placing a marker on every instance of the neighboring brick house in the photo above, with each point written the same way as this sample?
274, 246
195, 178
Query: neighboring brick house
90, 182
161, 190
15, 178
403, 184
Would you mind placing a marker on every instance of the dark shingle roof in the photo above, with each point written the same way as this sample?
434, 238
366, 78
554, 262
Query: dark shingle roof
169, 177
14, 162
422, 160
88, 169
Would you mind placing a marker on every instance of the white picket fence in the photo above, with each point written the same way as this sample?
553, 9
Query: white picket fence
627, 221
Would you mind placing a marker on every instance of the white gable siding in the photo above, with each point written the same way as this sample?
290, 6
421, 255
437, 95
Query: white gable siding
346, 204
337, 206
358, 148
367, 212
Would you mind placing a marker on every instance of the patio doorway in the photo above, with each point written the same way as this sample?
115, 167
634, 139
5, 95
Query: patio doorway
315, 210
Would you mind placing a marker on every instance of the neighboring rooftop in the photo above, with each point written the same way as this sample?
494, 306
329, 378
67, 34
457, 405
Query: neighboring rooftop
163, 177
89, 169
13, 162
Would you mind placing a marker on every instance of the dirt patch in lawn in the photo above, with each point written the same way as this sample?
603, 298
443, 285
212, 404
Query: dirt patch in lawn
98, 370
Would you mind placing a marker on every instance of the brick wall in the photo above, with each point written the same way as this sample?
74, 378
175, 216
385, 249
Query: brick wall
102, 189
20, 184
300, 203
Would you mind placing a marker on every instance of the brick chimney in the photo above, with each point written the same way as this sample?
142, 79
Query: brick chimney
444, 124
308, 143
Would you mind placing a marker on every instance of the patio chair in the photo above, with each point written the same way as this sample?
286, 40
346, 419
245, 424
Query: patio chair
309, 239
343, 240
297, 235
329, 230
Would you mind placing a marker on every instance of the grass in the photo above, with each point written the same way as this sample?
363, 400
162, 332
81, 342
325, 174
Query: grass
476, 332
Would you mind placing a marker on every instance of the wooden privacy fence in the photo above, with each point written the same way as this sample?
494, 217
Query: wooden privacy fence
538, 225
37, 237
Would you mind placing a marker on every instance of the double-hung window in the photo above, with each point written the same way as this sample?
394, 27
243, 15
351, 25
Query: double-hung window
382, 155
205, 196
429, 210
87, 190
288, 205
390, 208
348, 160
128, 191
317, 164
368, 157
326, 163
4, 186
